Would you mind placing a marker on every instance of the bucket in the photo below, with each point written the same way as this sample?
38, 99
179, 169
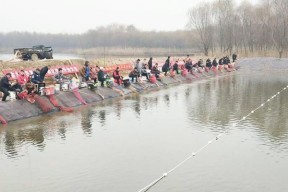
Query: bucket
65, 87
109, 83
152, 79
12, 95
172, 73
49, 91
40, 87
126, 82
57, 87
184, 72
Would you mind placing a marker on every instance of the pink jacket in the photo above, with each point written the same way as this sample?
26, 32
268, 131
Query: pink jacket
22, 79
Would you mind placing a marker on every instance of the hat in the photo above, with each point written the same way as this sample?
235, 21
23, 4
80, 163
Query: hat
101, 68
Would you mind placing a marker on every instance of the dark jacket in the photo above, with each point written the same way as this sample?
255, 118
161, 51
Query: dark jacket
150, 64
214, 63
43, 72
221, 61
134, 73
175, 66
101, 75
208, 63
166, 66
4, 83
35, 78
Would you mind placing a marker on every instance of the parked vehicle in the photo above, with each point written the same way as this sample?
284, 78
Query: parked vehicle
35, 53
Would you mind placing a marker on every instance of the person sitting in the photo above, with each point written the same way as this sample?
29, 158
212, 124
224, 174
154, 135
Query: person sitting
176, 67
59, 77
93, 73
208, 63
30, 88
37, 80
35, 77
145, 71
214, 62
134, 74
5, 86
101, 76
85, 72
44, 71
22, 78
155, 70
117, 77
200, 63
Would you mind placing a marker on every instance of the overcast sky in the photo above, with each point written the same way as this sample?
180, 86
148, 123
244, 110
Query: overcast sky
78, 16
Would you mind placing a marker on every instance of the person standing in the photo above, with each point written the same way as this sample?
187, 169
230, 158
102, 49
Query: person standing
150, 63
86, 71
101, 76
166, 66
138, 65
234, 57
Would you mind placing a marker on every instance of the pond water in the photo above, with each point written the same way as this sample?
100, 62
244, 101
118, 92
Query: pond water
124, 144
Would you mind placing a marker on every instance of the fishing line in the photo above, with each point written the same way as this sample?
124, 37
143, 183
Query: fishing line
153, 183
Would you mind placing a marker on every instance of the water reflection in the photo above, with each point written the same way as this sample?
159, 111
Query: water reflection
118, 108
9, 141
212, 104
137, 106
62, 129
86, 120
221, 103
167, 99
102, 117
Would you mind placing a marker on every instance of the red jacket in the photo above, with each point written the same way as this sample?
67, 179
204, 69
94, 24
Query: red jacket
22, 79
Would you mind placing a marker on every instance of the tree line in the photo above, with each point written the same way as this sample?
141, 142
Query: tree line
217, 27
245, 28
115, 35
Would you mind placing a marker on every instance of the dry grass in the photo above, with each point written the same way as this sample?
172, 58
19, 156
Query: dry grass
107, 61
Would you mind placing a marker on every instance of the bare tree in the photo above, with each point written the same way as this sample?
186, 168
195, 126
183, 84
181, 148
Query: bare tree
201, 18
280, 25
226, 22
